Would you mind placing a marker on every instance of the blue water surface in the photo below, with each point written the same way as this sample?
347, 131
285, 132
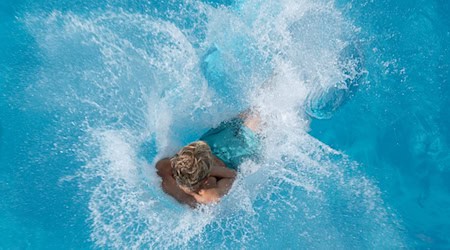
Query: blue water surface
398, 125
394, 127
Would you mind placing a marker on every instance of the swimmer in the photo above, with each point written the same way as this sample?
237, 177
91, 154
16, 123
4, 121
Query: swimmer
204, 171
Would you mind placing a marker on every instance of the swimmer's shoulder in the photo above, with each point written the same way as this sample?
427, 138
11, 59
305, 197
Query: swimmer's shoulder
164, 167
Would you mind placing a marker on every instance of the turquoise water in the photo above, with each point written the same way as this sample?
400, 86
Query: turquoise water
355, 96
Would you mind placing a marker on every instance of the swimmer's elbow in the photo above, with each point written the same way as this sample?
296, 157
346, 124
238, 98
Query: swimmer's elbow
224, 186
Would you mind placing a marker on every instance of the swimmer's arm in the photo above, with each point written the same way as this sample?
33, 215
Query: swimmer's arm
221, 171
169, 185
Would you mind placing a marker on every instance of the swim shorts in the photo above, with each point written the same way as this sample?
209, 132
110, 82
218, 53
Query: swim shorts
233, 142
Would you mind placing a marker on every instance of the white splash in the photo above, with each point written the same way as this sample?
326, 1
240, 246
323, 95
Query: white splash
130, 79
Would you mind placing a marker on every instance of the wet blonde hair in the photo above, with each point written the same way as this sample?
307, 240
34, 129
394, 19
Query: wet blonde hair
192, 164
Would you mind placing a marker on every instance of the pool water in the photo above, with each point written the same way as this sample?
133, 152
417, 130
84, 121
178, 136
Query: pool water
354, 95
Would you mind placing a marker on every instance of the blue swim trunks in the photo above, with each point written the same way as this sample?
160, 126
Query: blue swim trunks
233, 142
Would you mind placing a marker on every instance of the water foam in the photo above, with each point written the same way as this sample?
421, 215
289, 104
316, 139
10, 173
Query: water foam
130, 79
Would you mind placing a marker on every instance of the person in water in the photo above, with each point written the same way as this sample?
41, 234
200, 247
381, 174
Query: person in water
204, 171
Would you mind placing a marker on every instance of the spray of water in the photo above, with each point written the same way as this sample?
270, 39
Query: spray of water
139, 86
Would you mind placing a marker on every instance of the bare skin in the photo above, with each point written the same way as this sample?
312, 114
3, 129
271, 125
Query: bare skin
218, 183
252, 120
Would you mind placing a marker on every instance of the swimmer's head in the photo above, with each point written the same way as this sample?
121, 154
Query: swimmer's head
192, 164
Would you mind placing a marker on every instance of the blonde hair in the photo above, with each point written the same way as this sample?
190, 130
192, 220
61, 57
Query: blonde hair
192, 164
